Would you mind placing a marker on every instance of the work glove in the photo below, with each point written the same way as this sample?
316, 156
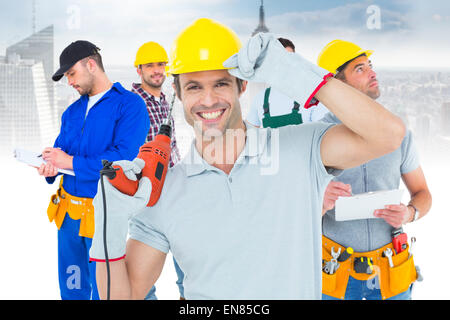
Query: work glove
130, 168
264, 59
119, 209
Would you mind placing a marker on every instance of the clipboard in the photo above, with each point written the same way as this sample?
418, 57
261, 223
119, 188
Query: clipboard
33, 159
362, 206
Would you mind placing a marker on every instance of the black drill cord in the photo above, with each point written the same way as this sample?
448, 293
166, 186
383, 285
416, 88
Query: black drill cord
105, 247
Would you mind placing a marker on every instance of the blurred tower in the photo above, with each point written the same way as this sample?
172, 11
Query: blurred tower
262, 24
38, 47
445, 118
27, 117
254, 87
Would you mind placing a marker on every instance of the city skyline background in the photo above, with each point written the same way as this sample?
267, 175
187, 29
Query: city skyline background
407, 33
393, 29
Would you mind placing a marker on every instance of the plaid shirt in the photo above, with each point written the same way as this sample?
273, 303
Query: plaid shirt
158, 111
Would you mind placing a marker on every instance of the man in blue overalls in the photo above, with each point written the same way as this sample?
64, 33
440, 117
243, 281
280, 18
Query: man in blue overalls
106, 122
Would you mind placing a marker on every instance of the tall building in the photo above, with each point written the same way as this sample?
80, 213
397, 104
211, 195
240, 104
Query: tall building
38, 47
254, 87
445, 118
27, 117
262, 24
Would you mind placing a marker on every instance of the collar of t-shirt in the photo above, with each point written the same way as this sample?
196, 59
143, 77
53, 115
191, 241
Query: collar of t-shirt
93, 100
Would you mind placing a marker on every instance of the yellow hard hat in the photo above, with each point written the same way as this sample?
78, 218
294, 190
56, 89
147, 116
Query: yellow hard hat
202, 46
150, 52
338, 52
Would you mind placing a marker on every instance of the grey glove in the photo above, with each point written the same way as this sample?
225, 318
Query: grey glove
120, 208
264, 59
131, 168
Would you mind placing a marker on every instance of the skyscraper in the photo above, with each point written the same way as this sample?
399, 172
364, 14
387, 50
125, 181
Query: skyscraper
445, 119
262, 24
27, 117
254, 87
38, 47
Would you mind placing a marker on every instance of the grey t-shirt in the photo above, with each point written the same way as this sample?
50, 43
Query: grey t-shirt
383, 173
252, 234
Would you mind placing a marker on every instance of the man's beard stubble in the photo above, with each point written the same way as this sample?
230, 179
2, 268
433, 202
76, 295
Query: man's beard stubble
152, 84
86, 87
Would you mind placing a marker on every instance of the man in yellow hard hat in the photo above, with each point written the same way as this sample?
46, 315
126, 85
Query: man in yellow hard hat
151, 61
239, 231
369, 238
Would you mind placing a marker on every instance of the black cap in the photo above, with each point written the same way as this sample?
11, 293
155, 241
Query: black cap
72, 54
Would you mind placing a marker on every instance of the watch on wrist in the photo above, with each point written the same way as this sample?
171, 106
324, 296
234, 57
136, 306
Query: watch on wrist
416, 212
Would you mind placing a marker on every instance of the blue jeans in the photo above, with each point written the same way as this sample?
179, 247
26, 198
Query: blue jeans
76, 273
151, 295
357, 290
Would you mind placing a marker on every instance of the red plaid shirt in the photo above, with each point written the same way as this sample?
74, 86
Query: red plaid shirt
158, 110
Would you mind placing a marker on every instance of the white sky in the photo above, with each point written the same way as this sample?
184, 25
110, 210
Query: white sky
412, 33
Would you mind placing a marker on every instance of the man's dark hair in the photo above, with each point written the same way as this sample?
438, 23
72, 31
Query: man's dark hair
287, 43
339, 71
176, 81
98, 60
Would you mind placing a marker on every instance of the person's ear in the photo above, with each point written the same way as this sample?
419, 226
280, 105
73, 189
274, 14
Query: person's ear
243, 87
91, 65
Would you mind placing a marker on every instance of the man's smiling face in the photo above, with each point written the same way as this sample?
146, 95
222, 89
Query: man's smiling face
153, 74
211, 101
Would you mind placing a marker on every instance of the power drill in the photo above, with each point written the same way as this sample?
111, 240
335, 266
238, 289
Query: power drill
156, 155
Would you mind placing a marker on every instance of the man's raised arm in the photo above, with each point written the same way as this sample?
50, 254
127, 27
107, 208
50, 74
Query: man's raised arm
368, 130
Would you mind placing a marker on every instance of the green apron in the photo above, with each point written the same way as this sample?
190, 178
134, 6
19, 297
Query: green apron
280, 121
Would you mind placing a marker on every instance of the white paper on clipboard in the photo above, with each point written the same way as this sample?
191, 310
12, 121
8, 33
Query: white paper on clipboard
32, 158
362, 206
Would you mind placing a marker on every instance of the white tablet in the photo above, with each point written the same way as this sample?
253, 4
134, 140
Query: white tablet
362, 206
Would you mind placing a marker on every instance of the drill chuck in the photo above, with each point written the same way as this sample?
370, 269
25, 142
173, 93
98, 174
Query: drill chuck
166, 130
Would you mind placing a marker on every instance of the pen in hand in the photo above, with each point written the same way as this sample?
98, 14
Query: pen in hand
40, 156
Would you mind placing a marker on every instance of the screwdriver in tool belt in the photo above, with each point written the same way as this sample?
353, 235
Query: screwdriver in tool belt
345, 255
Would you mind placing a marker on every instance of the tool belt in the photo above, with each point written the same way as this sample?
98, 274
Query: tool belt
392, 281
78, 209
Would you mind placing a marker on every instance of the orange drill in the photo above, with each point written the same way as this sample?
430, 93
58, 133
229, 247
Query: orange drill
156, 155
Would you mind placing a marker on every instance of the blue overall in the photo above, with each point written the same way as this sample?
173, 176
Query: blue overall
114, 129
